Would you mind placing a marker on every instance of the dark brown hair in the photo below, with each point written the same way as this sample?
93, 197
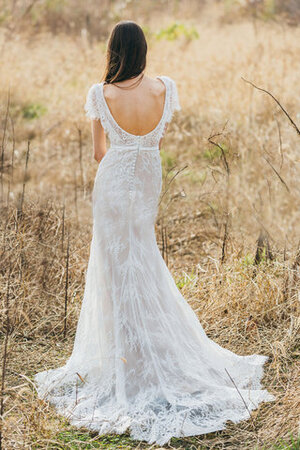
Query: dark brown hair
126, 52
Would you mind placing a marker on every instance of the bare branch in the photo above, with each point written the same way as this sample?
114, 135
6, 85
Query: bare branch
170, 181
210, 140
277, 173
278, 103
232, 380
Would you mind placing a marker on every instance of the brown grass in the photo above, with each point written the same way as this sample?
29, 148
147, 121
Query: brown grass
246, 307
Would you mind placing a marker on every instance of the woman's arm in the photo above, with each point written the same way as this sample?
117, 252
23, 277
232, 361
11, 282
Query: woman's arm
99, 140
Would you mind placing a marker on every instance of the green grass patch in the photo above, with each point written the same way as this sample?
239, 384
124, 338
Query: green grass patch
33, 111
79, 440
293, 443
176, 31
215, 152
168, 161
248, 260
195, 177
187, 279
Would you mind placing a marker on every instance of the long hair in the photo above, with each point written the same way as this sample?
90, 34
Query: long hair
126, 52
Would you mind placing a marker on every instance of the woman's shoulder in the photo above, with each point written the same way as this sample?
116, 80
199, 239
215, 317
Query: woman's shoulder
170, 83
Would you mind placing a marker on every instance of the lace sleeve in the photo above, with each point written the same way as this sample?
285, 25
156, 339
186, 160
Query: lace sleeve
174, 99
94, 108
91, 106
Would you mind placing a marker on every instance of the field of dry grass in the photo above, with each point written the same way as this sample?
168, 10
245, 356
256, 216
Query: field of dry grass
222, 199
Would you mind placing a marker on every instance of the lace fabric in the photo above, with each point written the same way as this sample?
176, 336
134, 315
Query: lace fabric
141, 359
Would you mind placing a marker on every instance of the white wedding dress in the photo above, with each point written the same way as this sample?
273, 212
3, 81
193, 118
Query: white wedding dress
141, 359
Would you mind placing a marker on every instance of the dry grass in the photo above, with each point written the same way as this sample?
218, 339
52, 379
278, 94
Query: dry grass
246, 307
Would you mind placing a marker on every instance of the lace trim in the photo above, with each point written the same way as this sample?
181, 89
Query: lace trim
150, 416
96, 108
93, 107
174, 104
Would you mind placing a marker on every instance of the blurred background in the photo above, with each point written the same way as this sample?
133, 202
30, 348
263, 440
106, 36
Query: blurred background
229, 218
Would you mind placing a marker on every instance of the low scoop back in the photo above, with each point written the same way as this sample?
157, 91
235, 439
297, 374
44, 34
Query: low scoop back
96, 107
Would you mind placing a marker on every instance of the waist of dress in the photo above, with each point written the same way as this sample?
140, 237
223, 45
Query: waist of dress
136, 146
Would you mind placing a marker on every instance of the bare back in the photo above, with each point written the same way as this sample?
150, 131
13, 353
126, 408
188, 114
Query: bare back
137, 110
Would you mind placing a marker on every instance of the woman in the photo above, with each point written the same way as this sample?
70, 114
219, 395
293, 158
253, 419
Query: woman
141, 359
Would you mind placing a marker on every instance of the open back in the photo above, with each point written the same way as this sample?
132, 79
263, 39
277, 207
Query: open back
96, 108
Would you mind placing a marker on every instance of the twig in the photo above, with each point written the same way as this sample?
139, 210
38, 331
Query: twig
223, 154
295, 272
278, 174
66, 286
225, 239
48, 131
20, 211
63, 227
80, 154
4, 361
166, 245
3, 141
284, 250
280, 142
164, 238
277, 101
210, 140
232, 380
28, 9
13, 148
181, 430
169, 183
75, 196
8, 195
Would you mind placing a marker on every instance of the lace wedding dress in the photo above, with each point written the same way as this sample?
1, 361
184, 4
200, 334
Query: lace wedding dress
141, 359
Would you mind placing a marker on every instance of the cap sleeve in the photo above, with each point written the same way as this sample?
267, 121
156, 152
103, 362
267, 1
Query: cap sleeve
173, 103
92, 107
174, 98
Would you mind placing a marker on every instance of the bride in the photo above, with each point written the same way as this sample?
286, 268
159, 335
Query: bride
141, 360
